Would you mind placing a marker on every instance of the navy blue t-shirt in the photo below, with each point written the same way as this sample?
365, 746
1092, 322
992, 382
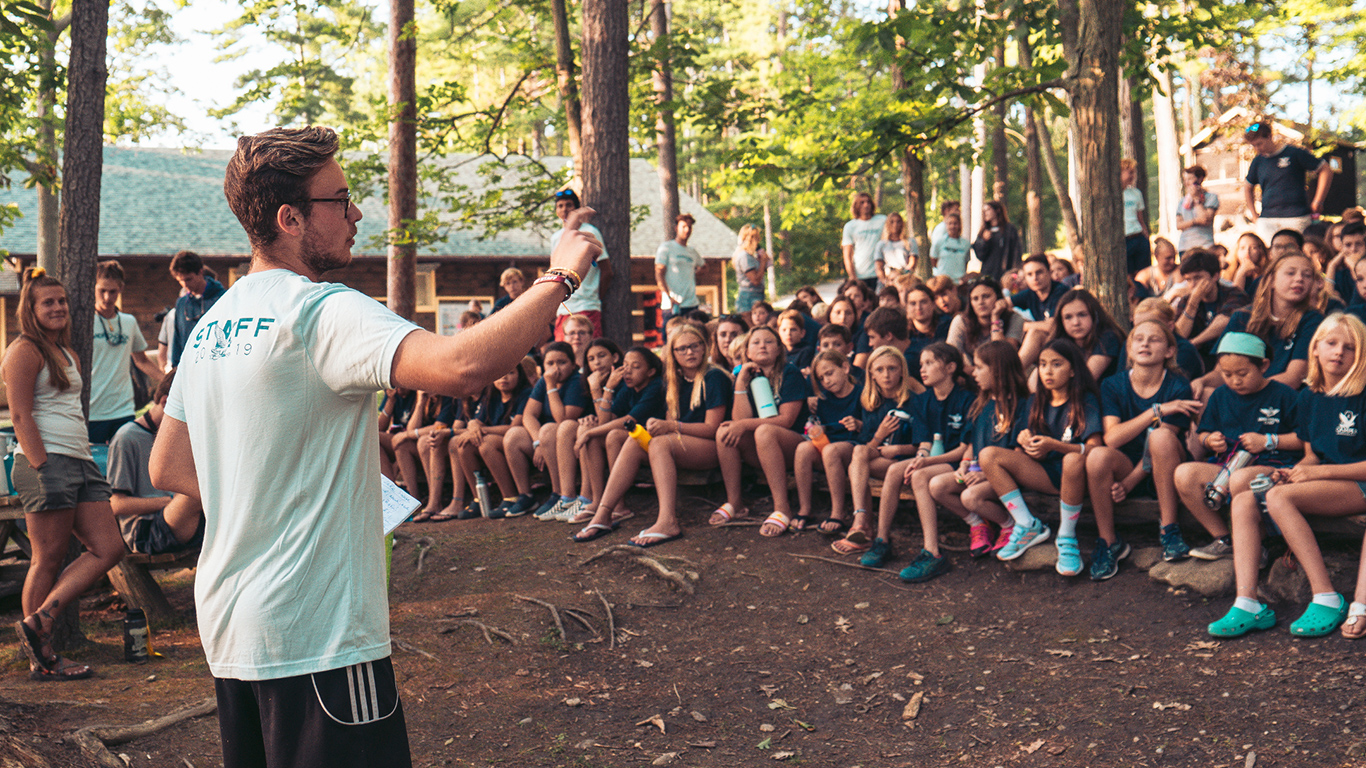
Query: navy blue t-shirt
496, 413
716, 393
813, 332
948, 417
1270, 411
830, 409
793, 389
1058, 420
917, 341
1118, 398
453, 409
1040, 309
573, 391
984, 432
403, 410
1281, 177
1283, 351
1111, 345
642, 406
1345, 283
801, 356
873, 419
1332, 426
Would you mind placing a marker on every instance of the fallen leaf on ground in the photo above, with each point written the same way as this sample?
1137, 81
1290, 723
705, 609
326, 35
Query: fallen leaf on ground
665, 759
783, 755
573, 702
804, 726
843, 625
1203, 645
1057, 749
945, 619
698, 716
654, 720
644, 663
702, 744
861, 606
766, 728
912, 708
1032, 748
1056, 652
765, 744
1174, 705
779, 704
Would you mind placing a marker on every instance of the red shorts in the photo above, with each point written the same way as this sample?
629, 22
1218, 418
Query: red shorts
592, 314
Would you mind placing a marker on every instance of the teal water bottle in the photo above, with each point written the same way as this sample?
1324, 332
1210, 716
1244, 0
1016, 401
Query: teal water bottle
762, 392
937, 447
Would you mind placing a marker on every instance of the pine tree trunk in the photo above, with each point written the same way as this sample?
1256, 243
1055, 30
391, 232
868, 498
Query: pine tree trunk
79, 223
664, 123
569, 88
1070, 228
402, 266
1000, 151
1094, 63
606, 151
1135, 145
1035, 240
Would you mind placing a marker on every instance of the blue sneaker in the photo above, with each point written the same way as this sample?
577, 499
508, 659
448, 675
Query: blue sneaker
1069, 555
521, 505
1105, 560
546, 510
1022, 538
876, 554
924, 567
1173, 546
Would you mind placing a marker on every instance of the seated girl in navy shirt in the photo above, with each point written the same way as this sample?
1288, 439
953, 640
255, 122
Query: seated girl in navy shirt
1057, 425
1248, 412
638, 396
1283, 316
1001, 392
1145, 410
1081, 318
942, 410
602, 374
749, 436
839, 419
560, 395
1329, 481
696, 395
499, 410
886, 434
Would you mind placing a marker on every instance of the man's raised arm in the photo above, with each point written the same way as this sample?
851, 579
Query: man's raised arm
464, 364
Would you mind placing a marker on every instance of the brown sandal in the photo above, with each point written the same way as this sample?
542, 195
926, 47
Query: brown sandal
60, 669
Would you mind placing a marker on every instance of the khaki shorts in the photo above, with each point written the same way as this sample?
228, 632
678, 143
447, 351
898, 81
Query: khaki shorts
61, 483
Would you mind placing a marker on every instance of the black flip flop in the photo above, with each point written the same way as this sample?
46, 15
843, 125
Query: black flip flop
842, 524
805, 520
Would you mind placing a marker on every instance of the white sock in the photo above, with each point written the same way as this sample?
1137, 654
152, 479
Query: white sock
973, 518
1328, 599
1067, 525
1248, 604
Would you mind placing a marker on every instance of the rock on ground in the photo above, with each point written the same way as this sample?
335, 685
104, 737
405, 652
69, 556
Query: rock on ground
1145, 558
1037, 558
1209, 578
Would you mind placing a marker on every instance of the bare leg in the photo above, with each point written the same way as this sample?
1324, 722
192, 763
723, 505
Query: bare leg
924, 503
623, 475
551, 457
1247, 543
48, 586
837, 458
496, 451
593, 462
1191, 479
774, 461
1328, 498
386, 455
1164, 445
866, 463
666, 455
890, 500
804, 461
981, 498
408, 464
1105, 466
566, 461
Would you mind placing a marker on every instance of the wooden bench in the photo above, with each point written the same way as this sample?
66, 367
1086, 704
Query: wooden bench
1143, 511
133, 579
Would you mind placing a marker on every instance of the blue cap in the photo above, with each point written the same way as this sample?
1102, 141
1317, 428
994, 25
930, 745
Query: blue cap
1238, 343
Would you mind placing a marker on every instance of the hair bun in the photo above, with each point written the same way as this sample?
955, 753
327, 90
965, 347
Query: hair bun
37, 272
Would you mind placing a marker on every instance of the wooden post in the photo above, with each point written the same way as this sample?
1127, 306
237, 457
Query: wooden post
402, 251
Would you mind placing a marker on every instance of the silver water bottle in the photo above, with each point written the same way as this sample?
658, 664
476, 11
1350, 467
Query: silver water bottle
1216, 492
481, 487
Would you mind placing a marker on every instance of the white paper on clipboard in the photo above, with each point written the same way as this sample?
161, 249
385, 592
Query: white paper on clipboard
398, 505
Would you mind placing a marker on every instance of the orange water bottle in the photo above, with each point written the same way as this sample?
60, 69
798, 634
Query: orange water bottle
816, 434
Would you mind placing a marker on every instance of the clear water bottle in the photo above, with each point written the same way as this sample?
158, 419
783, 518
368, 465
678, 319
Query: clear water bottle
481, 487
937, 447
1216, 492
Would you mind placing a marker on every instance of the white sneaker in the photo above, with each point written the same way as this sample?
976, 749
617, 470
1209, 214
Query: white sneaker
567, 512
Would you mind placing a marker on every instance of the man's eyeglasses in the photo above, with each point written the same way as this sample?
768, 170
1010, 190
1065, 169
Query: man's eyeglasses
345, 200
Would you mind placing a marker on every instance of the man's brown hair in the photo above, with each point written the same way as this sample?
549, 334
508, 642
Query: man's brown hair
272, 169
109, 270
164, 387
682, 217
186, 263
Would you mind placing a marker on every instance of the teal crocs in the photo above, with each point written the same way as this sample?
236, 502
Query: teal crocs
1238, 622
1318, 620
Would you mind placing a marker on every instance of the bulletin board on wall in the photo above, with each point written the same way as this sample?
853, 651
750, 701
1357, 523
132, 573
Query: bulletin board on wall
449, 308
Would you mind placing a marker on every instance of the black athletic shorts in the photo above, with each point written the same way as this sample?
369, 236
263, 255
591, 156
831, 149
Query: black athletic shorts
342, 717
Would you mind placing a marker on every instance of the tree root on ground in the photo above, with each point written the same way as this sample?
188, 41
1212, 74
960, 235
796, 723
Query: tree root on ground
577, 615
424, 545
663, 571
95, 740
611, 621
554, 613
486, 629
409, 647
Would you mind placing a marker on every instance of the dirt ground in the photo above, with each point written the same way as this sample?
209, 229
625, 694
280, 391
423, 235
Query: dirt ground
772, 657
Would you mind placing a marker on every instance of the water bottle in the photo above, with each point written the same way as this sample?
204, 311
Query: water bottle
481, 487
637, 433
762, 391
974, 466
1259, 487
816, 434
1216, 492
937, 447
136, 649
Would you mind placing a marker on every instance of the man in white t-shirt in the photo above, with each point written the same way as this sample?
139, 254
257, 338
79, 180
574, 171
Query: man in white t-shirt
859, 240
1138, 252
676, 268
118, 341
270, 425
586, 301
